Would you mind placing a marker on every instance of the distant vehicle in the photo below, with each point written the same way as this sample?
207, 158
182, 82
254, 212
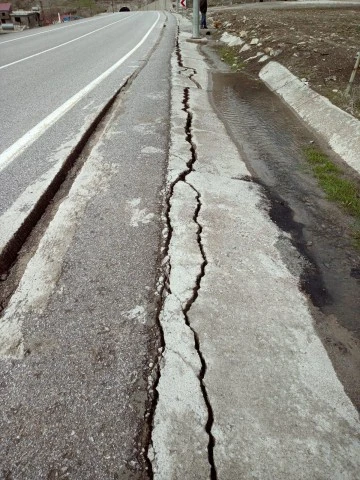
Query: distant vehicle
124, 9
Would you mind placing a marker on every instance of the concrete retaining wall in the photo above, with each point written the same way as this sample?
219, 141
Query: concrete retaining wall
158, 5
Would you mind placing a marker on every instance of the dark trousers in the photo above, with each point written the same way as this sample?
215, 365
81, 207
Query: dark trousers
203, 20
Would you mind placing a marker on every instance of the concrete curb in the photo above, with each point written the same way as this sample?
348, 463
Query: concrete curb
340, 129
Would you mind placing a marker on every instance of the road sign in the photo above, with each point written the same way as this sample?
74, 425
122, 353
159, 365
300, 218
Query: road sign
183, 3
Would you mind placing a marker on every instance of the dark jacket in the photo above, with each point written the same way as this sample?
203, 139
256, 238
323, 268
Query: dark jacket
203, 6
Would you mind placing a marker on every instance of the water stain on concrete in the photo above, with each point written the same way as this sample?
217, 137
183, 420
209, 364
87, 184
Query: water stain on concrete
271, 140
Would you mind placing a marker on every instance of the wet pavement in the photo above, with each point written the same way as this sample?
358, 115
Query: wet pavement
271, 140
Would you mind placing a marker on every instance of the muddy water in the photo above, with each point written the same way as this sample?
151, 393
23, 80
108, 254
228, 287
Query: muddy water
271, 141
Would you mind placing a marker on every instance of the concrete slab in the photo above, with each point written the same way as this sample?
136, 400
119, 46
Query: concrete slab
279, 409
216, 153
200, 41
181, 414
183, 247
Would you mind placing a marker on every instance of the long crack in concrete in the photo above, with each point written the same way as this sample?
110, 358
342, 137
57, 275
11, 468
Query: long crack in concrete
209, 423
167, 291
213, 474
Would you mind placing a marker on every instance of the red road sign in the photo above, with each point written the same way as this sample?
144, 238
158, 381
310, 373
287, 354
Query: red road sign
183, 3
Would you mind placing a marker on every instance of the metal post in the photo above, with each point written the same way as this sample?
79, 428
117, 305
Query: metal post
43, 20
196, 19
352, 77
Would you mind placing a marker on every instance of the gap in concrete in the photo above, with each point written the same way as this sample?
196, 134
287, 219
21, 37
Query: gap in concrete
17, 253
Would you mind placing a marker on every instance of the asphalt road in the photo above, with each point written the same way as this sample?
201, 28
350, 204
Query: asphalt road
76, 386
54, 82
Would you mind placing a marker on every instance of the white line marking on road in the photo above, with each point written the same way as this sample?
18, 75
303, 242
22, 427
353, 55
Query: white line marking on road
29, 138
75, 24
62, 44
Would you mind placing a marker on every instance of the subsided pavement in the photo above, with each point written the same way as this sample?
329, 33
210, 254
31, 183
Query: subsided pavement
246, 387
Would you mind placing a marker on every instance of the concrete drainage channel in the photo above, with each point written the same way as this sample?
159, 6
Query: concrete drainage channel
272, 142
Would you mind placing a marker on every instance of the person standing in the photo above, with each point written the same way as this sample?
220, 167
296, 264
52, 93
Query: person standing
203, 10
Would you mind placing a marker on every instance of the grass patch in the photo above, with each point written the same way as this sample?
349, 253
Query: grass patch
339, 189
229, 56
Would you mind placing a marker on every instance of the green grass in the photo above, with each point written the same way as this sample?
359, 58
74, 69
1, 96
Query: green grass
229, 56
339, 189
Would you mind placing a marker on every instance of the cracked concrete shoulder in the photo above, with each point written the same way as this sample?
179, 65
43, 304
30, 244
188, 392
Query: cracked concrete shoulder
187, 304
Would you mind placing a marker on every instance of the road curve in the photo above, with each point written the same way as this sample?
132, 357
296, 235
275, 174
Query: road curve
55, 84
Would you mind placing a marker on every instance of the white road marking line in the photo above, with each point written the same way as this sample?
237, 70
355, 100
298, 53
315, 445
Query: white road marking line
75, 24
62, 44
29, 138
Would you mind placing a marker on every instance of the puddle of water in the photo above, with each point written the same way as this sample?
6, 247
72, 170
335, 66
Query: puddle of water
271, 140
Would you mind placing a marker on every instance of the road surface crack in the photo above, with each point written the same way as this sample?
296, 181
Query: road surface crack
181, 63
165, 286
191, 75
201, 376
182, 177
178, 50
200, 276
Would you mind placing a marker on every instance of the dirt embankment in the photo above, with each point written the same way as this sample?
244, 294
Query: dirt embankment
317, 45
